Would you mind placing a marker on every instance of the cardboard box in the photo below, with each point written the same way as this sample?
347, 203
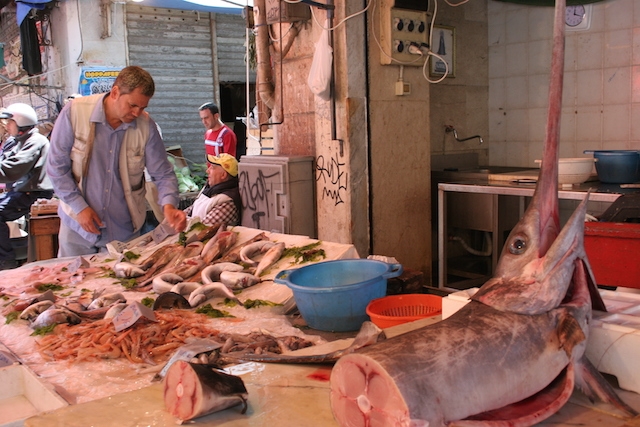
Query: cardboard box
23, 395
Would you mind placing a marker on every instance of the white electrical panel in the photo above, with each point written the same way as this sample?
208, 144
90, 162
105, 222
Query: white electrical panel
403, 31
278, 194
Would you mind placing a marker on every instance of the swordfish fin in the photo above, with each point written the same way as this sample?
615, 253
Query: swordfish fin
595, 387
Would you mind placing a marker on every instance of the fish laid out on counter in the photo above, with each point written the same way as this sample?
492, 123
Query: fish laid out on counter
513, 355
192, 390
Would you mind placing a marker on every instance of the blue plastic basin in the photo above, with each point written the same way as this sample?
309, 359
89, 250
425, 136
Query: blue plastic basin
333, 295
617, 166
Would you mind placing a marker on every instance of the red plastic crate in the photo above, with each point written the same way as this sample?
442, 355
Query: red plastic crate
613, 250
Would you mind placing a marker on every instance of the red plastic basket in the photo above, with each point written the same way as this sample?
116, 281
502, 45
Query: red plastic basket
397, 309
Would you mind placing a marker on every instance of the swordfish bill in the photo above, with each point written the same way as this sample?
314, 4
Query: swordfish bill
512, 356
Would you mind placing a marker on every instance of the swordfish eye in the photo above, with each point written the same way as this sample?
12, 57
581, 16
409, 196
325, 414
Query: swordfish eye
518, 245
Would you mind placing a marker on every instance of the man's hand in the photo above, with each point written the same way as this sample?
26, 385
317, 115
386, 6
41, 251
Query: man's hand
89, 220
176, 218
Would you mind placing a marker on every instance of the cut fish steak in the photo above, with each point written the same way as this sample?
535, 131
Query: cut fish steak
192, 390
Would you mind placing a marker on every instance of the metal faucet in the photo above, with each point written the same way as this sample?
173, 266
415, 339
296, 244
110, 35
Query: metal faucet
449, 128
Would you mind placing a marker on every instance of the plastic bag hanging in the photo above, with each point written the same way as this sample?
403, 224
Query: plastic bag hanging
319, 79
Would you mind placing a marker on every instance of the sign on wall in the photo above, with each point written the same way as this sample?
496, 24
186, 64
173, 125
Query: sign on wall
97, 79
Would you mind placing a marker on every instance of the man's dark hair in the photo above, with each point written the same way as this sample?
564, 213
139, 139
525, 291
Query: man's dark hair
211, 107
134, 77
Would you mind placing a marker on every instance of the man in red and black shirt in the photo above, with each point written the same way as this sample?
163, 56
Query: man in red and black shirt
219, 138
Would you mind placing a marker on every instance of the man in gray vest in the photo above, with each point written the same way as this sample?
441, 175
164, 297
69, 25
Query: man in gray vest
100, 146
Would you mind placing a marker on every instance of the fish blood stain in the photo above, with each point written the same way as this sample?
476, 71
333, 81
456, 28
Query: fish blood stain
364, 404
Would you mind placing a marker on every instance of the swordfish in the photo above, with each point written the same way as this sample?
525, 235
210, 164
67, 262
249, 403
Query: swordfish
513, 355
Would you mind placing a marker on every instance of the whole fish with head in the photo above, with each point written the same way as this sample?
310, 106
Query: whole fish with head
271, 257
512, 356
34, 310
55, 316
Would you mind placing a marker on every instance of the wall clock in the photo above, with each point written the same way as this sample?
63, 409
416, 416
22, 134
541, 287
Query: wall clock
578, 17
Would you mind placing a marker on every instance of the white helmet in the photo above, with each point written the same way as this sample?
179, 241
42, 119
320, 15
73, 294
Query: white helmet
24, 115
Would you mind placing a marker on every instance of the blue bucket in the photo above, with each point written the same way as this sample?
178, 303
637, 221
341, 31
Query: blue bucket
617, 166
333, 295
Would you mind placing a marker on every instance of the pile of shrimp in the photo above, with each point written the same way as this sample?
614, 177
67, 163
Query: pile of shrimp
144, 342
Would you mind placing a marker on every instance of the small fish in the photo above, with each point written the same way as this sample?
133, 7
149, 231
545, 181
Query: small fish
164, 282
211, 273
106, 300
238, 280
55, 316
251, 250
192, 390
35, 309
170, 300
127, 270
115, 309
208, 291
271, 257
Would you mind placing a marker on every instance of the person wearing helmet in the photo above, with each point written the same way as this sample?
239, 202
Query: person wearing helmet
22, 170
100, 146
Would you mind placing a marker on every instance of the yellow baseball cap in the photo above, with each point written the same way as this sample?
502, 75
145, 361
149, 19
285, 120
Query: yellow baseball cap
227, 161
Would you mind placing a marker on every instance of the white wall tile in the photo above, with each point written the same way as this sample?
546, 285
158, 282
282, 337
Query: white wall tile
497, 94
516, 89
539, 59
589, 124
589, 51
616, 86
517, 125
589, 87
618, 48
497, 61
538, 91
537, 123
517, 59
618, 14
615, 122
517, 25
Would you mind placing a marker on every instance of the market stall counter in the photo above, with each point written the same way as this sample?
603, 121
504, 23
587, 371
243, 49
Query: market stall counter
84, 370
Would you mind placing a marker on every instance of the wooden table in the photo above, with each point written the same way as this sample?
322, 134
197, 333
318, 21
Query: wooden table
43, 235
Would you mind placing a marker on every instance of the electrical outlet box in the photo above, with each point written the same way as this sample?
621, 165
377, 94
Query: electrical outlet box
281, 11
399, 28
403, 88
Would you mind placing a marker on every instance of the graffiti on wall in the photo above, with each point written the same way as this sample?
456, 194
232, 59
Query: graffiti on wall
331, 177
255, 191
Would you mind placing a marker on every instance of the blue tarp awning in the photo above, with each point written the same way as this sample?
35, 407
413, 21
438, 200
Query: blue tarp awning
24, 7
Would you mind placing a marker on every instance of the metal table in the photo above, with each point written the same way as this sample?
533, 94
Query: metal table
600, 193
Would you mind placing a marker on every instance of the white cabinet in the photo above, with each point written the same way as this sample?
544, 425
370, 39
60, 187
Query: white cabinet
278, 194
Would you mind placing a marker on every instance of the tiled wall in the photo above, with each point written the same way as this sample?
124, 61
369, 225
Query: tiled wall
601, 95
